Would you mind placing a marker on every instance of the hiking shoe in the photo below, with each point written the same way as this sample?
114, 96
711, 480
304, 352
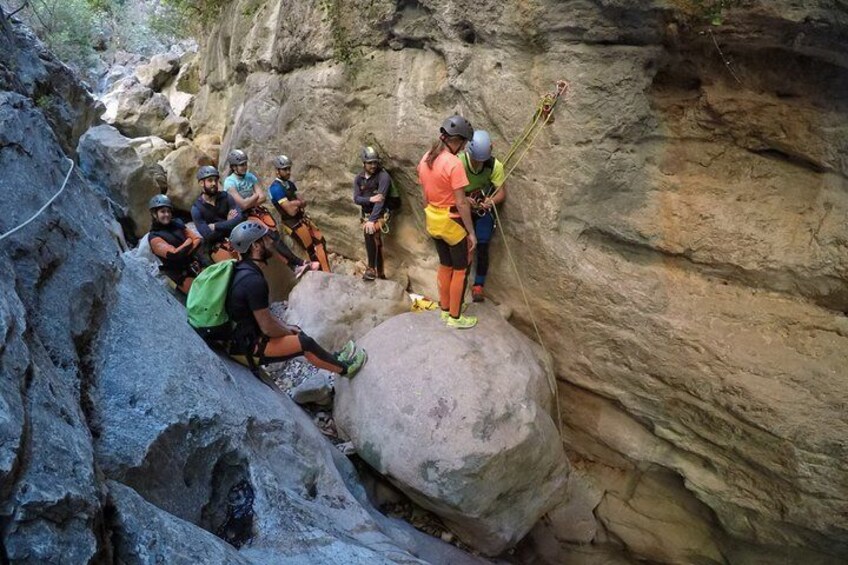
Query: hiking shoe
370, 274
355, 363
477, 293
463, 322
346, 352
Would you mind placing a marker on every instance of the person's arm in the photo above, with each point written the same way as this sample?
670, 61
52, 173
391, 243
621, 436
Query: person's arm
226, 226
459, 180
359, 199
163, 249
498, 178
269, 324
244, 203
464, 210
206, 231
192, 238
382, 190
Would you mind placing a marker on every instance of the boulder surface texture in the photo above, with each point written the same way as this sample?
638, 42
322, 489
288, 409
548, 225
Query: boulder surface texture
680, 233
460, 421
335, 308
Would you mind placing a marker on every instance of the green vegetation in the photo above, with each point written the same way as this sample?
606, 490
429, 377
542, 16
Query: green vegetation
344, 50
709, 11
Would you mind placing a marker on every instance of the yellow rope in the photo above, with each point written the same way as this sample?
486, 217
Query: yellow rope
550, 375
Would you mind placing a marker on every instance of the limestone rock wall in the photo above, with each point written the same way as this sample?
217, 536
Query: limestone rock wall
679, 228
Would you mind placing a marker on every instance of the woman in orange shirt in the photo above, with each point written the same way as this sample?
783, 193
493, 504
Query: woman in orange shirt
442, 176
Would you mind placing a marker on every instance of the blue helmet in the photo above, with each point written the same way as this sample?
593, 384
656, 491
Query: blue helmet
480, 148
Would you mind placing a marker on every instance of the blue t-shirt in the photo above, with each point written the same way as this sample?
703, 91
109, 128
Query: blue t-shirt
244, 185
280, 191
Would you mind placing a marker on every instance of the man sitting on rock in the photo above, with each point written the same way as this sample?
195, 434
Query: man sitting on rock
174, 244
243, 187
258, 332
215, 214
297, 224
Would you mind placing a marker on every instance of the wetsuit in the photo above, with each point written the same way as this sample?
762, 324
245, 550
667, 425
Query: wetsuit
245, 186
248, 293
299, 226
225, 215
480, 186
363, 189
176, 246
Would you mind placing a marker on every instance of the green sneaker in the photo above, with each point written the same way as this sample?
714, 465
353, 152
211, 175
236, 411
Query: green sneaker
346, 352
356, 363
445, 315
463, 322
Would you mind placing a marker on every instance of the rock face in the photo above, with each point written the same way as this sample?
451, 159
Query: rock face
120, 433
181, 167
460, 421
335, 308
680, 233
111, 160
138, 111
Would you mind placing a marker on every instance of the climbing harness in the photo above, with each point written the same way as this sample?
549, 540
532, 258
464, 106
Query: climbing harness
43, 208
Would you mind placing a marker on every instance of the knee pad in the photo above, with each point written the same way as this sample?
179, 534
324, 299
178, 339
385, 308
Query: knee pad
306, 342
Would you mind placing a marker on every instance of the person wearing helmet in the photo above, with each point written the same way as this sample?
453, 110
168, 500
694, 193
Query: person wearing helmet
257, 331
371, 191
243, 186
174, 244
291, 206
215, 214
484, 191
448, 216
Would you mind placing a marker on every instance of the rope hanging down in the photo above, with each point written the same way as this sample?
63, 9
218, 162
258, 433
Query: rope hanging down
43, 208
543, 110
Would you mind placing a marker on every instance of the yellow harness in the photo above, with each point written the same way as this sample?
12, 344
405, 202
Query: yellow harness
442, 226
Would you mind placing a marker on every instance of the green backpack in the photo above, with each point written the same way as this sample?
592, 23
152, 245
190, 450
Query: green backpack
207, 300
393, 201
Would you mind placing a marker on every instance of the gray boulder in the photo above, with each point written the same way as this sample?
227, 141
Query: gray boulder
180, 167
146, 535
335, 308
151, 149
158, 71
137, 111
460, 421
110, 160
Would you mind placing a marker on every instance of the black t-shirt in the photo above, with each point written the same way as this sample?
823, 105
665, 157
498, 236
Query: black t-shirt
248, 293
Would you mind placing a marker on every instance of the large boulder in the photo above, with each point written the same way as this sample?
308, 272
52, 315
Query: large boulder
151, 149
158, 71
335, 308
181, 167
460, 421
109, 159
138, 111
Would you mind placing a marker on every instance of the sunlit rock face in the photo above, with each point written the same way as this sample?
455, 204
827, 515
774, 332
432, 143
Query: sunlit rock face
679, 229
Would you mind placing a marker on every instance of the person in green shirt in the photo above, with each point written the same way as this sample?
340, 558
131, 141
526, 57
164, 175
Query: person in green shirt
484, 191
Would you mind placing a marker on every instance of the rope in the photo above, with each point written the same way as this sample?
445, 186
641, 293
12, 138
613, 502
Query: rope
546, 107
43, 208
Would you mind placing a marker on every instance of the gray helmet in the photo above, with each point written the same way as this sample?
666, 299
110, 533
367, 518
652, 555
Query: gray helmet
369, 155
207, 172
457, 126
237, 157
480, 148
159, 201
282, 162
244, 234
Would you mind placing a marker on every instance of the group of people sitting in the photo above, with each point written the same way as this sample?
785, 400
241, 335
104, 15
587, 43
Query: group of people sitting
460, 190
